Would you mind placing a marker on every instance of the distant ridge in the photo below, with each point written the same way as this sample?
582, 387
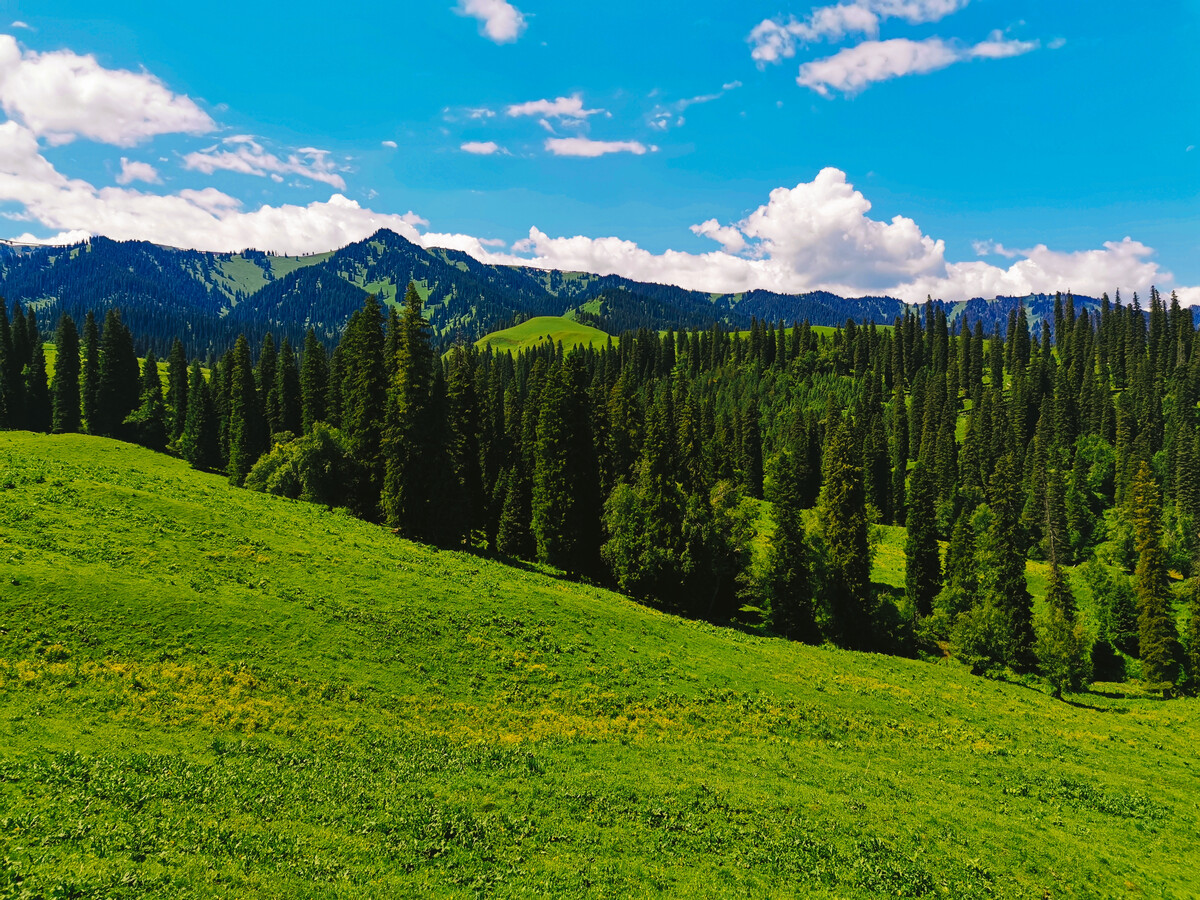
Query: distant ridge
208, 298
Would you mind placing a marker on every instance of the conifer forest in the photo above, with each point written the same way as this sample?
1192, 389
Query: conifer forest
644, 465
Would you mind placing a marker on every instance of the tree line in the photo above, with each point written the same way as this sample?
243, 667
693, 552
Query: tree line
641, 464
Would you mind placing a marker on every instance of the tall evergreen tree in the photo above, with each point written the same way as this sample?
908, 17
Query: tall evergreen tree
288, 391
65, 389
923, 569
177, 387
91, 372
247, 427
410, 445
198, 443
1158, 640
788, 581
844, 524
314, 381
118, 389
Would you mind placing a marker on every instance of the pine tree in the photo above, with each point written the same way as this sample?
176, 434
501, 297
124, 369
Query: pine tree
410, 444
91, 372
198, 443
465, 506
177, 387
923, 569
843, 516
287, 390
266, 382
1158, 640
38, 408
314, 379
118, 388
788, 578
147, 425
247, 427
364, 393
65, 388
1003, 575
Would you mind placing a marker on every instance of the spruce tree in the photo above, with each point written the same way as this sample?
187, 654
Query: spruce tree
843, 517
1003, 574
1158, 640
91, 372
39, 411
364, 393
147, 425
198, 443
314, 381
177, 387
287, 389
410, 442
788, 579
267, 383
118, 389
923, 569
65, 388
247, 427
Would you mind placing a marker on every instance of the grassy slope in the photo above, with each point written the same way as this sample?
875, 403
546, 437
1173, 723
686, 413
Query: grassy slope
538, 330
206, 691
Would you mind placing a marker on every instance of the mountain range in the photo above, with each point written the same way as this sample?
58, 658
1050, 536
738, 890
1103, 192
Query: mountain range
209, 298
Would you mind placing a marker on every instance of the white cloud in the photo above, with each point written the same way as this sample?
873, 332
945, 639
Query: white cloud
773, 39
19, 24
817, 235
482, 148
587, 148
132, 171
499, 20
200, 219
570, 108
61, 96
667, 115
855, 68
249, 158
391, 145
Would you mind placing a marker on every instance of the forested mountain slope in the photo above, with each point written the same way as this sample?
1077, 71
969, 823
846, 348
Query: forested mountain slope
207, 299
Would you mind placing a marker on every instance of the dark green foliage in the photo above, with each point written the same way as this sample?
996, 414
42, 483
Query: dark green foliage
65, 388
247, 427
318, 467
411, 448
199, 443
788, 578
843, 517
363, 388
177, 387
38, 407
923, 566
91, 371
287, 391
267, 384
147, 425
1063, 648
1158, 639
314, 380
118, 386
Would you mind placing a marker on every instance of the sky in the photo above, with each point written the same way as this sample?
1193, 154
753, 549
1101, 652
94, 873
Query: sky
953, 148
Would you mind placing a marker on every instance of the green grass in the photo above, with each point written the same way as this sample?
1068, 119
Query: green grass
540, 329
210, 692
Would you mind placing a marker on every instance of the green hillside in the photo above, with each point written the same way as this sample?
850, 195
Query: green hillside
540, 329
210, 692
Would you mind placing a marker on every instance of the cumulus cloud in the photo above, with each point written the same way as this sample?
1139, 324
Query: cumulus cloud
499, 20
391, 145
132, 171
248, 157
817, 235
775, 39
61, 96
855, 68
566, 108
481, 148
589, 149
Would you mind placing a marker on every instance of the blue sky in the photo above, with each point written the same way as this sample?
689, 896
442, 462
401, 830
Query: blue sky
952, 147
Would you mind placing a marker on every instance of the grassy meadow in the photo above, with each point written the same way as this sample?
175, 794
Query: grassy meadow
540, 330
206, 692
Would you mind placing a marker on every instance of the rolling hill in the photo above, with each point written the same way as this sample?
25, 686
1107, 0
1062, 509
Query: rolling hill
210, 692
541, 329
